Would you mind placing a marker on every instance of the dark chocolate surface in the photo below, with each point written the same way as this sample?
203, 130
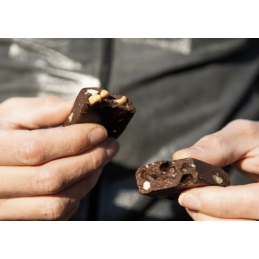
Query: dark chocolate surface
167, 179
113, 116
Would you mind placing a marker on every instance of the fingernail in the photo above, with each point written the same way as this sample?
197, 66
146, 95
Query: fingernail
192, 213
112, 147
189, 201
191, 150
97, 135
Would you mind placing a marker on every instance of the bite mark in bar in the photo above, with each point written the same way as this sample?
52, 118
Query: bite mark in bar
96, 105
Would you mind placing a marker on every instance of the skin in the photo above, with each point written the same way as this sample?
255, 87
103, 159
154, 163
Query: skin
44, 173
236, 144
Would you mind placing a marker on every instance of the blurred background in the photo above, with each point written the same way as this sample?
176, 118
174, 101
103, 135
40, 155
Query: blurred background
183, 89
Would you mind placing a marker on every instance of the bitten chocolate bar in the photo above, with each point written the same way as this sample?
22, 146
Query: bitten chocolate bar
96, 105
167, 179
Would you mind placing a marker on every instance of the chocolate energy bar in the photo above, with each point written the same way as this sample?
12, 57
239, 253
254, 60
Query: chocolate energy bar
167, 179
96, 105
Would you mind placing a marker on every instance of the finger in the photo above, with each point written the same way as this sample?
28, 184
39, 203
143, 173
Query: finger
232, 202
226, 146
40, 146
196, 216
56, 175
34, 113
77, 191
249, 165
49, 207
70, 213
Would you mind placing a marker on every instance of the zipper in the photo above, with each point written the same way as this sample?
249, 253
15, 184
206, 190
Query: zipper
106, 62
105, 72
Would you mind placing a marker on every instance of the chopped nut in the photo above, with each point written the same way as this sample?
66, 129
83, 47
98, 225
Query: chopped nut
104, 94
150, 178
94, 99
146, 185
193, 165
70, 117
217, 179
122, 100
93, 92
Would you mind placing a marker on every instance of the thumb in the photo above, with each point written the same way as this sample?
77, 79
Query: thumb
197, 216
232, 202
33, 113
226, 146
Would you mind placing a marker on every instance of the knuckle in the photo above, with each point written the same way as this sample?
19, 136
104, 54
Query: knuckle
256, 206
87, 184
49, 180
245, 126
213, 139
251, 205
29, 152
225, 212
54, 209
95, 160
249, 126
75, 207
92, 162
79, 139
244, 207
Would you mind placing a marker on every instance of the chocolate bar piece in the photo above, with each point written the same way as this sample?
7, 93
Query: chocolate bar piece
167, 179
96, 105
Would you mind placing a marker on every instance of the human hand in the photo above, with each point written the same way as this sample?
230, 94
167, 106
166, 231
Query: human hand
44, 173
236, 144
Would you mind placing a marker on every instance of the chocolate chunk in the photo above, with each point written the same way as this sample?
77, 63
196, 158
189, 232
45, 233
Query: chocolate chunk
167, 179
95, 105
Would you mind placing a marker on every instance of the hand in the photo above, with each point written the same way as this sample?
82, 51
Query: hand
45, 172
237, 144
